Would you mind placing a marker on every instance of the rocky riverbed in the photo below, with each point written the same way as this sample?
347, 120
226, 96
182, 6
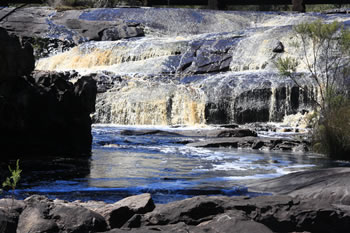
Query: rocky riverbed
312, 204
195, 67
161, 67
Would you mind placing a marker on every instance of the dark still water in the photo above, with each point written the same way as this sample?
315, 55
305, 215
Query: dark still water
123, 165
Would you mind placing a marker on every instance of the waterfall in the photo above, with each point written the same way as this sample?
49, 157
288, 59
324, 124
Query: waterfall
191, 77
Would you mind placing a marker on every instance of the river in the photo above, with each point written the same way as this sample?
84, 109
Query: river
124, 165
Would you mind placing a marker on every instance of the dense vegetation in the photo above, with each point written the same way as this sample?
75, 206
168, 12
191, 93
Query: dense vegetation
325, 52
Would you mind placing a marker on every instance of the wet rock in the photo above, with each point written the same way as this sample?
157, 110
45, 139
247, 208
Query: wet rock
230, 126
121, 32
148, 132
105, 81
207, 56
258, 143
232, 133
44, 47
326, 185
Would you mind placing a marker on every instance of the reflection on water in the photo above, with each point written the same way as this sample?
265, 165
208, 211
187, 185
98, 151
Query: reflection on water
123, 165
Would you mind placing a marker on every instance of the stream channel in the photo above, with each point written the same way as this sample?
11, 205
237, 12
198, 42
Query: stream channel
124, 165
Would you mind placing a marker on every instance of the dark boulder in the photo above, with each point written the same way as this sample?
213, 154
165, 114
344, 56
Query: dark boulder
46, 114
74, 218
190, 211
41, 113
207, 56
16, 59
126, 211
44, 215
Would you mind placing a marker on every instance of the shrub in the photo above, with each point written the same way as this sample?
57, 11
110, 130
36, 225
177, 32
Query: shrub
325, 50
332, 135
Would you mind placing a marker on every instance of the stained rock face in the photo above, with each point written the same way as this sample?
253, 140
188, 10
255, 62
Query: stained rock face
41, 113
210, 67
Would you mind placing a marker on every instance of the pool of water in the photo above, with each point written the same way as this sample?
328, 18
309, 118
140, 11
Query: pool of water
124, 165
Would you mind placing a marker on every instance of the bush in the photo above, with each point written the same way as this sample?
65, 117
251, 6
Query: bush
325, 51
332, 134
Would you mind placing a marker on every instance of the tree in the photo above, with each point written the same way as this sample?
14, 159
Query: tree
325, 52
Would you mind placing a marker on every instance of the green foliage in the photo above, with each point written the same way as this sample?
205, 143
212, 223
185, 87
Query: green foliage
325, 51
287, 66
332, 136
14, 178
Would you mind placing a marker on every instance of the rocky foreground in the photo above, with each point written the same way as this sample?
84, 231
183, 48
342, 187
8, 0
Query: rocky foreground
314, 203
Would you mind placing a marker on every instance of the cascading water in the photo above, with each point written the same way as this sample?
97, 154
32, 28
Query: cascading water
192, 68
170, 77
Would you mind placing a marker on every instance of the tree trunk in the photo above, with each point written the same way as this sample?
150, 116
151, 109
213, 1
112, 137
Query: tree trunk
298, 5
216, 4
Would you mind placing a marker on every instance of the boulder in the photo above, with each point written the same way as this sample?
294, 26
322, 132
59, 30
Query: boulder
8, 222
35, 218
207, 56
41, 113
230, 222
278, 213
16, 59
121, 212
278, 47
74, 218
44, 215
190, 211
46, 114
121, 32
10, 210
326, 185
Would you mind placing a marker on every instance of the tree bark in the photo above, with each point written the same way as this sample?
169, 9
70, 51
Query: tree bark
216, 4
298, 5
